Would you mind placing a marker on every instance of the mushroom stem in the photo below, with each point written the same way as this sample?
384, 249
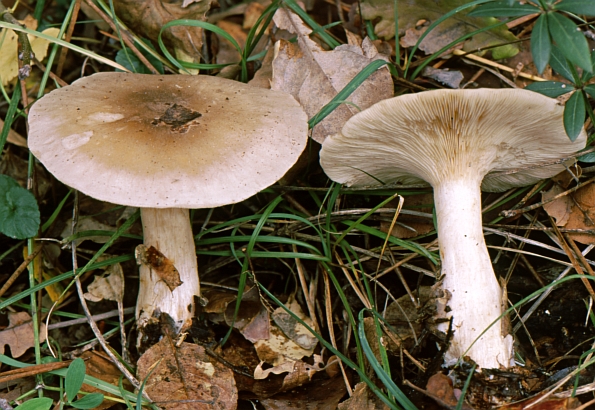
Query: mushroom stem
475, 295
169, 230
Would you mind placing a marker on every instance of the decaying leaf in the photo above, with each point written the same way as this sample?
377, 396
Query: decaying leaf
110, 287
319, 395
314, 76
19, 334
147, 17
9, 65
278, 349
410, 226
449, 78
551, 403
363, 398
292, 328
185, 377
102, 368
252, 320
159, 264
440, 388
575, 210
411, 12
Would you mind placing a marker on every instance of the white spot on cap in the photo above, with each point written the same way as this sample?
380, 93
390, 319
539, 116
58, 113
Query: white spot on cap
77, 140
105, 117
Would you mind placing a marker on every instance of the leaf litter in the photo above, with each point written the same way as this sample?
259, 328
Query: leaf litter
271, 356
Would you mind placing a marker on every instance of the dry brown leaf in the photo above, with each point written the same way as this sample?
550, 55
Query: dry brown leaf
147, 17
409, 226
551, 403
278, 349
159, 264
19, 334
582, 215
102, 368
291, 327
227, 53
14, 137
559, 209
110, 287
186, 377
319, 395
362, 398
314, 76
252, 320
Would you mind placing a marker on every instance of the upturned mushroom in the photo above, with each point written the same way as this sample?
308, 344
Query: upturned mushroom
458, 141
167, 144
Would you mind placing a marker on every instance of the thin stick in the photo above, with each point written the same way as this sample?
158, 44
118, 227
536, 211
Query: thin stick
20, 270
83, 320
514, 212
496, 65
68, 36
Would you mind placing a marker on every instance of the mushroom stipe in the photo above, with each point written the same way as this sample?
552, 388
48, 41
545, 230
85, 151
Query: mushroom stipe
167, 144
453, 139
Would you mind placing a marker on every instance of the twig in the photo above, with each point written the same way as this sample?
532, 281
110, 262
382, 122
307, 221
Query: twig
91, 321
125, 37
495, 65
20, 270
31, 371
25, 51
68, 36
514, 212
83, 320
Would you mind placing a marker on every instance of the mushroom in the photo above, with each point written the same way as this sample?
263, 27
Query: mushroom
459, 141
167, 144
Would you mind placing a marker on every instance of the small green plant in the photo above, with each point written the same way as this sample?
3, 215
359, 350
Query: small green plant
73, 383
19, 213
558, 41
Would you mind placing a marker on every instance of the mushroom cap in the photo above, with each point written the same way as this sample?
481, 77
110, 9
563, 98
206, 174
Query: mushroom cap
443, 134
172, 141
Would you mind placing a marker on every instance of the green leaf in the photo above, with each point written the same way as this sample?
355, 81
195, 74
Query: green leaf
40, 403
90, 401
74, 378
574, 115
541, 44
590, 89
590, 157
550, 88
570, 39
19, 213
128, 59
581, 7
560, 65
503, 9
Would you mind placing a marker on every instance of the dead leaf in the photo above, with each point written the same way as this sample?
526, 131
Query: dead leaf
110, 287
292, 328
253, 318
449, 78
298, 372
559, 209
582, 215
13, 136
102, 368
186, 377
159, 264
551, 403
19, 334
227, 53
410, 226
147, 17
411, 12
314, 76
9, 65
278, 349
363, 398
319, 395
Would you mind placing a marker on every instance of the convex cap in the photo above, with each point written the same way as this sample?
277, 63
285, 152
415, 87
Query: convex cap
167, 141
437, 135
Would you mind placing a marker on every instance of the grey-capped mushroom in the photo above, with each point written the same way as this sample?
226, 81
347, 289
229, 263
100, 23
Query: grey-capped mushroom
167, 144
458, 141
